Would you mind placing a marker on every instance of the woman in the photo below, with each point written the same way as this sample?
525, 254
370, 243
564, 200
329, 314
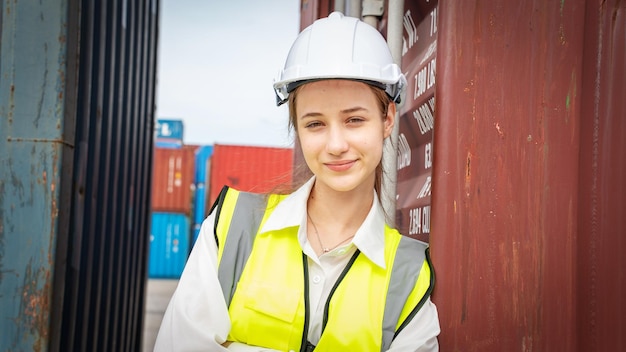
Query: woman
318, 268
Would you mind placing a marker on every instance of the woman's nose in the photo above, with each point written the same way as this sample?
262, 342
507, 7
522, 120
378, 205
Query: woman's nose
337, 142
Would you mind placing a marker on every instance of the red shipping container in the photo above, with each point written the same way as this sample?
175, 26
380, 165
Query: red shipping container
172, 179
250, 169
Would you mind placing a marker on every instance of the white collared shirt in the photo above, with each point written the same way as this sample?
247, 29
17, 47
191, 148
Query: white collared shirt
197, 318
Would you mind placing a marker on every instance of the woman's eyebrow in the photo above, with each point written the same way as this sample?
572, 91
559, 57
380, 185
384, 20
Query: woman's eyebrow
344, 112
353, 110
310, 114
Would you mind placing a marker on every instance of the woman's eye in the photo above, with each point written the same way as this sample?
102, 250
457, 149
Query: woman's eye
313, 124
354, 120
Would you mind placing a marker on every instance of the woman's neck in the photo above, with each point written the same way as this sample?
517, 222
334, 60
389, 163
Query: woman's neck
338, 214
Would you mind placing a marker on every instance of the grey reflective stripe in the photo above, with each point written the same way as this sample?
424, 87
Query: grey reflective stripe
408, 262
243, 228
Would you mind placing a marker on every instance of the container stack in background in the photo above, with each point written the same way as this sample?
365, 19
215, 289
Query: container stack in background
250, 169
173, 188
187, 180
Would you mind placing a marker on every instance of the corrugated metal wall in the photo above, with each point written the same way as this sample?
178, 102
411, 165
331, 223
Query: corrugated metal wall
37, 113
529, 155
76, 101
528, 199
601, 237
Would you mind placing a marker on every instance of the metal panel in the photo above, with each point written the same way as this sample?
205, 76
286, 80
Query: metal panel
518, 269
415, 139
36, 150
601, 240
310, 10
104, 290
172, 179
77, 145
250, 169
169, 245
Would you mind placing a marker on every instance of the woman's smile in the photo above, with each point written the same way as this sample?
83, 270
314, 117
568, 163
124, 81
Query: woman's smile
339, 166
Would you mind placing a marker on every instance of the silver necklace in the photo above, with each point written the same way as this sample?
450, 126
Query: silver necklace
317, 234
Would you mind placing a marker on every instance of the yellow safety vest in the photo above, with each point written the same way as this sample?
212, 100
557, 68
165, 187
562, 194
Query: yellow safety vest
264, 278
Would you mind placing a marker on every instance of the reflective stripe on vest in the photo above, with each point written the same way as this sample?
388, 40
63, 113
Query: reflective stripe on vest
238, 219
248, 210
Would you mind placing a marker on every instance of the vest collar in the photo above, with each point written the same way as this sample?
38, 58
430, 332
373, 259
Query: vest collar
369, 238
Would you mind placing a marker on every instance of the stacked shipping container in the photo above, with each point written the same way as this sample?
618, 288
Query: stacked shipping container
173, 180
250, 169
182, 193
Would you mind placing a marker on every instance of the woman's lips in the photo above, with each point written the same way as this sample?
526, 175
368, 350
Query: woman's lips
340, 165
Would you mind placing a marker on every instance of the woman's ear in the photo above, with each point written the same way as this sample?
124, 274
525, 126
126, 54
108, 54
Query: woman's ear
390, 119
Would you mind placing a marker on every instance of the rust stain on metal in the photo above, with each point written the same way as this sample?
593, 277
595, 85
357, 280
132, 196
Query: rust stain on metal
499, 129
40, 140
11, 104
561, 28
35, 305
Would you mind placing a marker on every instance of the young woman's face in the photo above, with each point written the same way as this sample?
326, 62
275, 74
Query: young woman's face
341, 130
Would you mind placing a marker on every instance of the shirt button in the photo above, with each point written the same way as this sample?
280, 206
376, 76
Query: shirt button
317, 279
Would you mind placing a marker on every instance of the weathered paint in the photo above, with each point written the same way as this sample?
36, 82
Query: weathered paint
75, 159
33, 146
601, 240
528, 195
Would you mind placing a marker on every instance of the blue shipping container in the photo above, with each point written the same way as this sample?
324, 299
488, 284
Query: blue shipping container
169, 133
169, 245
169, 129
203, 157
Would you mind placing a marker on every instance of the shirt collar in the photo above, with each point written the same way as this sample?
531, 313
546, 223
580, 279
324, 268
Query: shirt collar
369, 238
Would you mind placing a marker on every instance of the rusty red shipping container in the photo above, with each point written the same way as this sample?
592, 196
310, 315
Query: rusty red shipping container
250, 168
527, 194
415, 138
173, 178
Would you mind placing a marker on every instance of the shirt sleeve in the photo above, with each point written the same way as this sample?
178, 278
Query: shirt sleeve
420, 335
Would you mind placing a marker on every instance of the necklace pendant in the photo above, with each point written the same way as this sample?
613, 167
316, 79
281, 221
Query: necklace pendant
326, 250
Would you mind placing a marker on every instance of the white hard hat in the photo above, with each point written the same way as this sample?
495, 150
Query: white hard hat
340, 47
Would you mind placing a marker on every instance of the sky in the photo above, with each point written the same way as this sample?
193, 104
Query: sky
217, 60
